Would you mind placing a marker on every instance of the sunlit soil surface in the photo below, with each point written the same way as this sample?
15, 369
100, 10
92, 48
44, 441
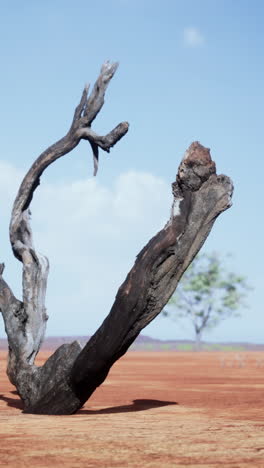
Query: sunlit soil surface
165, 409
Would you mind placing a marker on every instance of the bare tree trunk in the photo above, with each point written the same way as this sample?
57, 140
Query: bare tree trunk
198, 340
71, 374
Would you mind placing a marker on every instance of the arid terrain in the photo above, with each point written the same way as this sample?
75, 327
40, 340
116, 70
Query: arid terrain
156, 409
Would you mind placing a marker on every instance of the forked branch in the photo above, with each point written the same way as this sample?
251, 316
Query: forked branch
72, 374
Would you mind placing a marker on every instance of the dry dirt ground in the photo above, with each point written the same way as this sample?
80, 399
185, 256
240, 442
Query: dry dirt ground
154, 410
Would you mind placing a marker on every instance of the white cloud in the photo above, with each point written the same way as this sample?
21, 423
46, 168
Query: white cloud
192, 37
91, 235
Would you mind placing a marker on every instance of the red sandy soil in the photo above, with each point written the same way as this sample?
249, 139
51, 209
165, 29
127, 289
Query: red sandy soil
154, 410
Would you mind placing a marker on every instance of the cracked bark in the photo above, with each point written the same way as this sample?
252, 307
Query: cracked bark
71, 374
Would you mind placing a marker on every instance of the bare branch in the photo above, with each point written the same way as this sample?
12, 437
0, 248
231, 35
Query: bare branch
158, 267
105, 142
96, 99
82, 105
25, 321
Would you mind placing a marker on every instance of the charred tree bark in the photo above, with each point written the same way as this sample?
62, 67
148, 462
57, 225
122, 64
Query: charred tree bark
71, 374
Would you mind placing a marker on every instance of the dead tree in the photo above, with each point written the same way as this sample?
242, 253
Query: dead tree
71, 374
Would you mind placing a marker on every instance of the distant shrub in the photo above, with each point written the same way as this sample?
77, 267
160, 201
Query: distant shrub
185, 347
165, 346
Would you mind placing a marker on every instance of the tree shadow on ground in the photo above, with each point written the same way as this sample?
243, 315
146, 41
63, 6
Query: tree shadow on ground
13, 402
137, 405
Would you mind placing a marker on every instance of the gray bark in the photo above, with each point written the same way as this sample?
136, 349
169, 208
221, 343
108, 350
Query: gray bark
71, 374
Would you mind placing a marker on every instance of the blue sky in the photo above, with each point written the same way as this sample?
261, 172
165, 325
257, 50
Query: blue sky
189, 70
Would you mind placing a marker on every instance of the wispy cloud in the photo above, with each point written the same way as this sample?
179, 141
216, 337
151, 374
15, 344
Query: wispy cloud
192, 37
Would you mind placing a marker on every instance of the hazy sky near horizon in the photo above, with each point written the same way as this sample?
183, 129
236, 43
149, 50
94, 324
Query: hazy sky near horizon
189, 70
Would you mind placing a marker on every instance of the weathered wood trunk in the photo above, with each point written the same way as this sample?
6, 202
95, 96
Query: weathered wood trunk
71, 374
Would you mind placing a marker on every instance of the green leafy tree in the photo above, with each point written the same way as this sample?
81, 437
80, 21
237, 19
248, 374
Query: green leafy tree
207, 294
